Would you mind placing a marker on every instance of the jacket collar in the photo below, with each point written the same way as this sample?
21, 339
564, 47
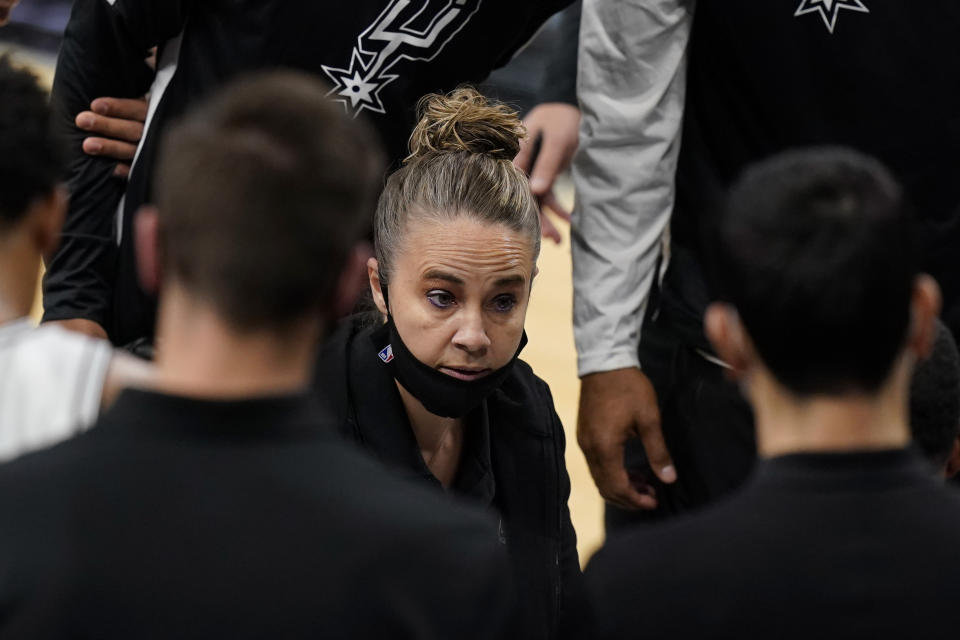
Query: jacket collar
272, 417
860, 470
381, 425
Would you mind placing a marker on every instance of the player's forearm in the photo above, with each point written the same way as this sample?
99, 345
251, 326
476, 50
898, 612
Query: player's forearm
102, 54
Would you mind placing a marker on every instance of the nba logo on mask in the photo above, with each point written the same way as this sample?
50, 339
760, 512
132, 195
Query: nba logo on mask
386, 354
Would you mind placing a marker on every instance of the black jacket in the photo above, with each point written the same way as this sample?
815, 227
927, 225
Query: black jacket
379, 56
513, 463
183, 518
855, 546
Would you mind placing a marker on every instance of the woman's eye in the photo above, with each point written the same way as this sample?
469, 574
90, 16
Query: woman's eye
440, 299
504, 303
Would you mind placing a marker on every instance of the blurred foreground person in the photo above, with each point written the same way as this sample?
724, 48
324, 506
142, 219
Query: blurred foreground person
224, 505
842, 531
678, 98
53, 383
432, 383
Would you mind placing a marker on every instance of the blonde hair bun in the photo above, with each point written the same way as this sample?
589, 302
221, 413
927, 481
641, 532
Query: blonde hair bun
465, 121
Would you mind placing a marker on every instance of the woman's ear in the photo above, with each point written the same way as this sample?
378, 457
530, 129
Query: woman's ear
924, 308
373, 275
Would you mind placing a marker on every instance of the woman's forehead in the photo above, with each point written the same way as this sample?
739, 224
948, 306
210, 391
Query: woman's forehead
465, 246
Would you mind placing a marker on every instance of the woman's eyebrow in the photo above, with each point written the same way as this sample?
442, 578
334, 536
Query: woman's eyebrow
508, 280
435, 274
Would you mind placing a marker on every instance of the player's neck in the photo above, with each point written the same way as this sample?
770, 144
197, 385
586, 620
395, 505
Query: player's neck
19, 273
199, 355
788, 424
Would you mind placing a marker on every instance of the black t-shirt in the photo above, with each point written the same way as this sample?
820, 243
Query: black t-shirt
184, 518
882, 76
379, 57
858, 545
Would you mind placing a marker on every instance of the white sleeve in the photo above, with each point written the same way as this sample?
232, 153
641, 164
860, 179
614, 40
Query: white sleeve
631, 85
93, 366
51, 385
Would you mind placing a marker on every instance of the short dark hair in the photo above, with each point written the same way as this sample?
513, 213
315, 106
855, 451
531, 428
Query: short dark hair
935, 399
263, 191
31, 156
816, 249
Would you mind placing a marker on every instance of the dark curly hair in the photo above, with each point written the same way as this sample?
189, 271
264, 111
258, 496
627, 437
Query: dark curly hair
31, 156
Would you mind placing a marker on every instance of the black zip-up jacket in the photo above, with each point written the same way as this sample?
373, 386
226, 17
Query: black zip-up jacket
380, 57
512, 463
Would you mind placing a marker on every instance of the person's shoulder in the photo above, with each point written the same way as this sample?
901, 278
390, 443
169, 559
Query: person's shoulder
336, 350
52, 387
55, 343
523, 384
49, 472
58, 355
412, 521
939, 506
54, 334
640, 578
527, 398
660, 548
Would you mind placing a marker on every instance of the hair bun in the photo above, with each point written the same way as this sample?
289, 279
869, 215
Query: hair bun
465, 121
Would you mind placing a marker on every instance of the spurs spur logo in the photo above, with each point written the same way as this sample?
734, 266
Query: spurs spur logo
829, 10
415, 30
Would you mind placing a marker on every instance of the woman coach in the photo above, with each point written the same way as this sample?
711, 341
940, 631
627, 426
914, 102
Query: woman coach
432, 383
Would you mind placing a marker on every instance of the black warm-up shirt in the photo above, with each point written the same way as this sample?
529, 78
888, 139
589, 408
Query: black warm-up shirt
857, 545
763, 78
379, 57
186, 518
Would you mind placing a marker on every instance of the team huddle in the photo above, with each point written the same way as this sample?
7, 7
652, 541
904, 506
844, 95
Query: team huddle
242, 418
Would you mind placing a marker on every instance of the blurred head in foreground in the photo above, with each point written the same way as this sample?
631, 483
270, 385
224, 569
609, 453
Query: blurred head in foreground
263, 195
821, 306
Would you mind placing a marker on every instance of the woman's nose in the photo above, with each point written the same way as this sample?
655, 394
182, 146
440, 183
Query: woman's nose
471, 335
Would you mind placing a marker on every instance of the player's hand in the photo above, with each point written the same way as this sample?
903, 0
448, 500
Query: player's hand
617, 406
117, 125
556, 125
82, 325
6, 6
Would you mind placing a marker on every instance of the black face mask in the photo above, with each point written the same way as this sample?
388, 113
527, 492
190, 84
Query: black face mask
439, 393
